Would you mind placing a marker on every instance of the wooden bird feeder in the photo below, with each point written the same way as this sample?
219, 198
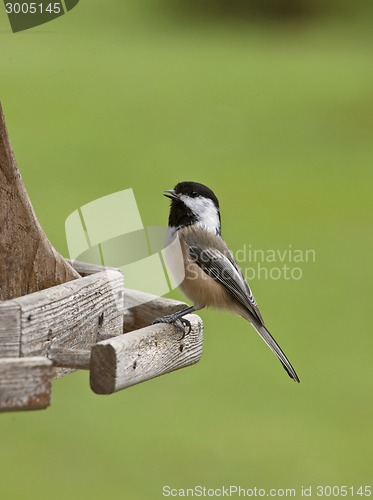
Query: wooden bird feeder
58, 316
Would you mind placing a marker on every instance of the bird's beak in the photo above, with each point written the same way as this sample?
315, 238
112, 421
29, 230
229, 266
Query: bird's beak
170, 193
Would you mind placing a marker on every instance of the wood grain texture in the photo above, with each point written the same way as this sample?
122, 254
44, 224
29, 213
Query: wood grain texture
143, 354
10, 329
28, 261
72, 315
25, 383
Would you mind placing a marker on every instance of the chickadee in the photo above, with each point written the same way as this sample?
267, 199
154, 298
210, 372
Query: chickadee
212, 277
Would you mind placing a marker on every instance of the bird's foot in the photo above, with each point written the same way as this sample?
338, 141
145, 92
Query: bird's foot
181, 324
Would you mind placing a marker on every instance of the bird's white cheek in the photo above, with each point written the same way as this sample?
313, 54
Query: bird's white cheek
209, 219
205, 211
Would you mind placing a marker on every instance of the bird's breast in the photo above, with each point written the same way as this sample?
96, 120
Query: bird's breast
198, 286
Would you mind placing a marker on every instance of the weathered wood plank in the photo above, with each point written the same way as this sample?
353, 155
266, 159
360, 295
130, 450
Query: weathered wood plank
72, 315
10, 329
25, 383
87, 269
143, 354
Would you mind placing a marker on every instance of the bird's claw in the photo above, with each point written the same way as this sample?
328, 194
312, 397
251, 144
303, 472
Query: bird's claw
181, 324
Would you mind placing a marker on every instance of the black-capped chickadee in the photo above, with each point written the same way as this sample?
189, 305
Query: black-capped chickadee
212, 277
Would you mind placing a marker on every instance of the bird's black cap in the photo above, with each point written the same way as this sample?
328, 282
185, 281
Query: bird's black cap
194, 189
180, 214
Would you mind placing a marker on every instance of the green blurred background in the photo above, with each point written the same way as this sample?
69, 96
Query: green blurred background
271, 108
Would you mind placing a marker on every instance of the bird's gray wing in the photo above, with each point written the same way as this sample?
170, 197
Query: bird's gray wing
219, 264
223, 269
219, 267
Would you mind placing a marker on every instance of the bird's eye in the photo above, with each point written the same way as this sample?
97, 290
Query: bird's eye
194, 194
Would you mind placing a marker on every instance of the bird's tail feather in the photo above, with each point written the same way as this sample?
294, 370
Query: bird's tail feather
276, 349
